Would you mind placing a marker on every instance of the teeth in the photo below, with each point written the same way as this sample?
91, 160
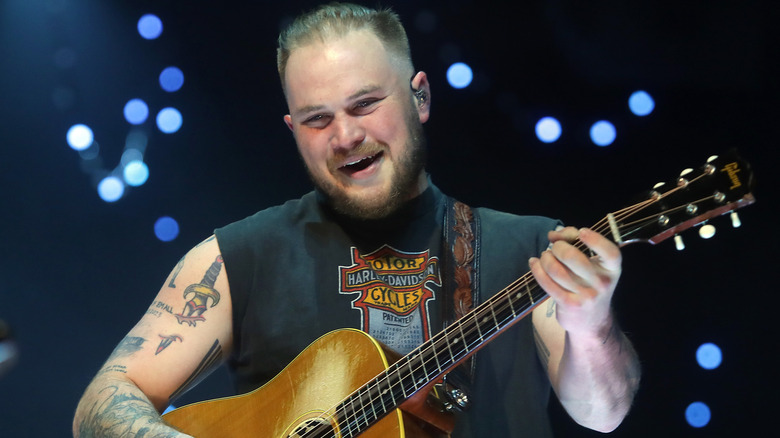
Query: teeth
358, 161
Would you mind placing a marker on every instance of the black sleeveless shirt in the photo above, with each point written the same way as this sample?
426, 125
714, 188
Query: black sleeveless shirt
300, 270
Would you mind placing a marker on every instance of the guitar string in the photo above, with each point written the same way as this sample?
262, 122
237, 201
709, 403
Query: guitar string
354, 419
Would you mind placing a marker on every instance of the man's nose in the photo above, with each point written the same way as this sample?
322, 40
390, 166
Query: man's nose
347, 133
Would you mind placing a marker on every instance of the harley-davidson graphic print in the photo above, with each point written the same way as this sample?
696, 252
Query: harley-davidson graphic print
393, 291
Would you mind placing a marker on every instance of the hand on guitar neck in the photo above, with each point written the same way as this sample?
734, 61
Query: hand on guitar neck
592, 367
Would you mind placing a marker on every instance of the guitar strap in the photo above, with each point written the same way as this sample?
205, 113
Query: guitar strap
461, 287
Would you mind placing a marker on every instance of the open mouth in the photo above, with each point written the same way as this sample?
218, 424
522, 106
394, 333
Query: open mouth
361, 164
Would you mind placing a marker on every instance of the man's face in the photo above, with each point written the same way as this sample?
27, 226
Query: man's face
356, 126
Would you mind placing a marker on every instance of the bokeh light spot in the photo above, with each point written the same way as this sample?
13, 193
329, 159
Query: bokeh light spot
709, 356
459, 75
150, 26
698, 414
603, 133
80, 137
171, 79
166, 229
169, 120
548, 129
136, 111
640, 103
111, 189
136, 173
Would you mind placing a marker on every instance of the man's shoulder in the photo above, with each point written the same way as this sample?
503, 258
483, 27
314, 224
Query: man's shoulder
291, 210
496, 218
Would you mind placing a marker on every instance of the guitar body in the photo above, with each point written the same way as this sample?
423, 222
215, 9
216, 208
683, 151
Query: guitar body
304, 393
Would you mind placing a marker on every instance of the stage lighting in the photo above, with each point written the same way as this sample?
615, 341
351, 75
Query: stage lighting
548, 129
171, 79
150, 26
698, 414
110, 189
459, 75
136, 111
135, 173
166, 229
602, 133
169, 120
709, 356
640, 103
80, 137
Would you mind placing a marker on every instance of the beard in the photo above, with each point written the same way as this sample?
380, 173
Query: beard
407, 169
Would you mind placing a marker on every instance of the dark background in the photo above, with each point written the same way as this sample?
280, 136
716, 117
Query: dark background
78, 272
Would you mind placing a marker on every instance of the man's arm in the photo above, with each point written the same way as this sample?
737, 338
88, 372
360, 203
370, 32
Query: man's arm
592, 366
183, 335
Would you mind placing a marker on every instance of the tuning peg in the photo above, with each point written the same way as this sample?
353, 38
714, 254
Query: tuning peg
735, 222
685, 172
712, 158
678, 243
659, 185
706, 231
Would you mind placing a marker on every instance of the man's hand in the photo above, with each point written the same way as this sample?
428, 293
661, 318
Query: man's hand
591, 364
581, 285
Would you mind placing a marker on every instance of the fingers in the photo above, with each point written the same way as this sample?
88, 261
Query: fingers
565, 267
609, 256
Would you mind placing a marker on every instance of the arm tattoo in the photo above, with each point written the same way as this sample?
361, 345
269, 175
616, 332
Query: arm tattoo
210, 361
128, 346
550, 308
201, 293
176, 270
120, 414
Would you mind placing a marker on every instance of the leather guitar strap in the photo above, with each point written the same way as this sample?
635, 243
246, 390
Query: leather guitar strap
461, 280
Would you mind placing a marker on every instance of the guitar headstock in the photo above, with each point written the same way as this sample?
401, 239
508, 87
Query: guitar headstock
720, 186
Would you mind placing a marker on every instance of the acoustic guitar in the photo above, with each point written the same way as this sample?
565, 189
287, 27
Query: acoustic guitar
347, 384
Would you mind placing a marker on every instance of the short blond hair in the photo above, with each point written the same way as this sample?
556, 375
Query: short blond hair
337, 20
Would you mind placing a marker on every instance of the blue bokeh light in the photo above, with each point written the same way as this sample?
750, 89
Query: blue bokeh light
548, 129
135, 173
136, 111
80, 137
166, 229
171, 79
111, 189
459, 75
640, 103
169, 120
603, 133
150, 26
709, 356
698, 414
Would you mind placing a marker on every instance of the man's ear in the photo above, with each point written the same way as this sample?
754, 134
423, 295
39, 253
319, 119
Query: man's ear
288, 121
421, 89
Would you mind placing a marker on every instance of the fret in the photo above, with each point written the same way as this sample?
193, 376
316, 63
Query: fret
477, 325
449, 344
511, 306
436, 356
462, 337
495, 320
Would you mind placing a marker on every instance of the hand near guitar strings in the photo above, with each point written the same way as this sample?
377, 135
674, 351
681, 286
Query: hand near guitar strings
581, 285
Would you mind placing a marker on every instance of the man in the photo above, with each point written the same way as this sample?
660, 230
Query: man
366, 250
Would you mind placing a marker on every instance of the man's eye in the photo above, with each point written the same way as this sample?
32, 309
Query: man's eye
365, 104
316, 120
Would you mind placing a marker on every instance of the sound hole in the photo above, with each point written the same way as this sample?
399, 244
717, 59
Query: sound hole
313, 428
